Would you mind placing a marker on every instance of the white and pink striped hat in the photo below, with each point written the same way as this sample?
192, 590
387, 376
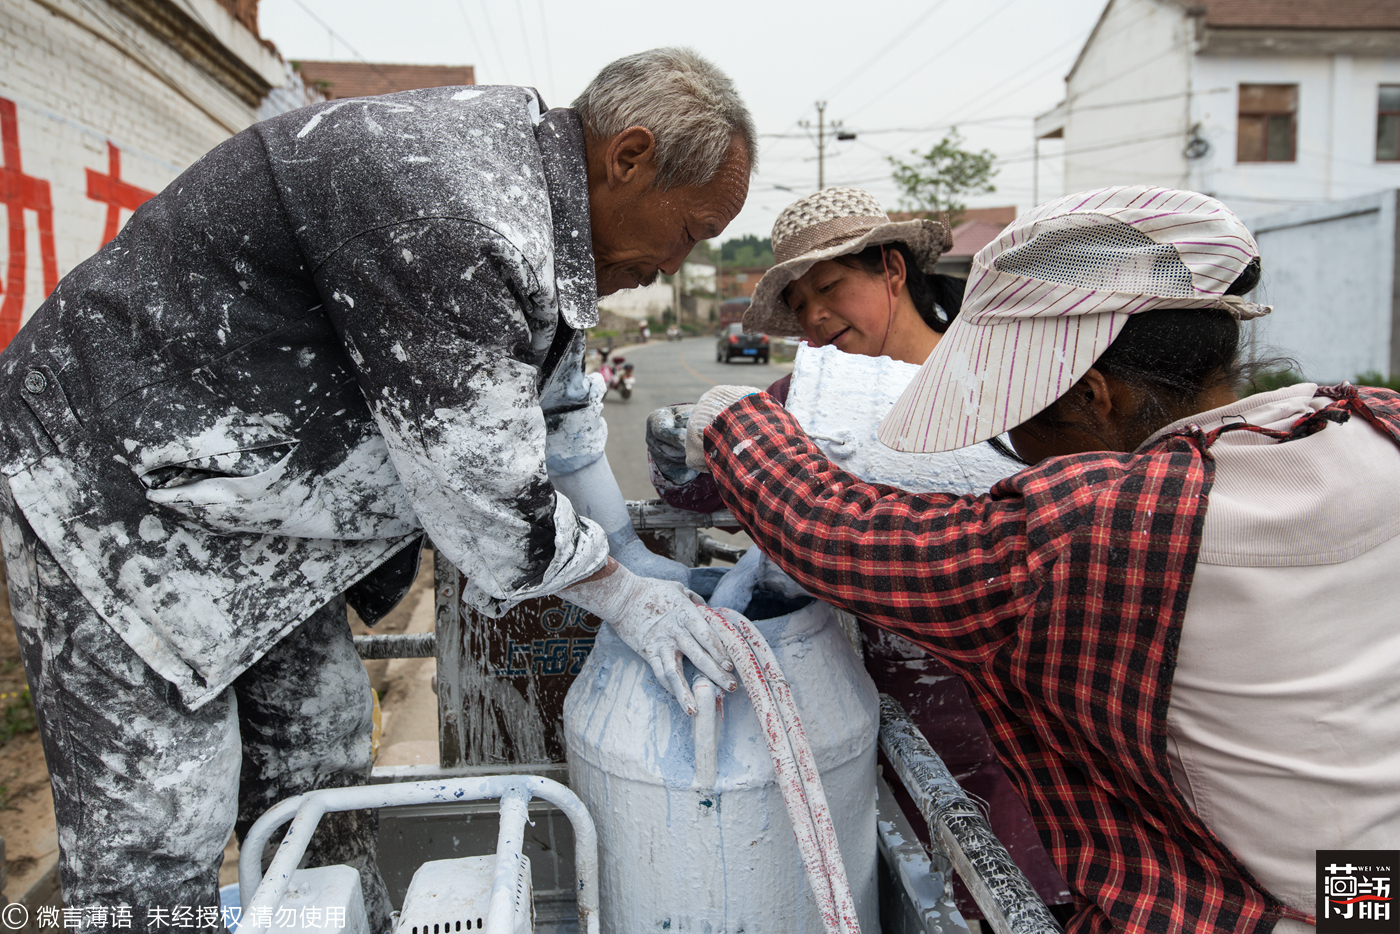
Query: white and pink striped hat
1046, 298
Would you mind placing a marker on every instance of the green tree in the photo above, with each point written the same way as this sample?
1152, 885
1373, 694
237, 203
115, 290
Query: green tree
938, 179
747, 250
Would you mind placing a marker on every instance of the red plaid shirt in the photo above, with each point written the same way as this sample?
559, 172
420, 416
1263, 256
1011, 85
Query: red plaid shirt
1059, 596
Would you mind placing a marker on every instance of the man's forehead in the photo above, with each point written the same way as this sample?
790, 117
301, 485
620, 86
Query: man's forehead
722, 200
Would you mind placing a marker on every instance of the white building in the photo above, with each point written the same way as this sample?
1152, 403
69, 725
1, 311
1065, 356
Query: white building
653, 301
1277, 107
1262, 103
647, 301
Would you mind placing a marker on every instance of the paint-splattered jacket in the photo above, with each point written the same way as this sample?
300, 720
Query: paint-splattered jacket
1060, 598
334, 331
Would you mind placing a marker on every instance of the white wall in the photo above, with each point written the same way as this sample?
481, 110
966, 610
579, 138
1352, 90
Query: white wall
1329, 272
79, 81
697, 277
1139, 58
640, 303
1336, 142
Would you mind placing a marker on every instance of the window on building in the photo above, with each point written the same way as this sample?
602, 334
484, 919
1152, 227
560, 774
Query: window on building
1268, 123
1388, 124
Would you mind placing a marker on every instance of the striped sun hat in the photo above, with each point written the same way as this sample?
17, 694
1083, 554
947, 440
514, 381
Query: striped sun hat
1046, 298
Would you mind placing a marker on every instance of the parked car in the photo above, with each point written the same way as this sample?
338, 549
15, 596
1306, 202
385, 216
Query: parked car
733, 342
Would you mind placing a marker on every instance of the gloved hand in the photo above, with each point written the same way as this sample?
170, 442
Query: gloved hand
660, 621
666, 442
706, 411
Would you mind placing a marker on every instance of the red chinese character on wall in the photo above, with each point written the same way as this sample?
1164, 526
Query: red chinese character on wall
20, 193
115, 193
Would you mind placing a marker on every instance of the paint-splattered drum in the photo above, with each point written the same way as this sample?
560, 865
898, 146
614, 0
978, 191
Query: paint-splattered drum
710, 848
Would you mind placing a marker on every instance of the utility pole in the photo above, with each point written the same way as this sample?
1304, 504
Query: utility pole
836, 129
676, 295
719, 272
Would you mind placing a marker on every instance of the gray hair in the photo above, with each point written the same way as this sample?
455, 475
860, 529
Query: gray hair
688, 104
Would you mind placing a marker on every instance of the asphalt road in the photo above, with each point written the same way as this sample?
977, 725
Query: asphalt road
669, 372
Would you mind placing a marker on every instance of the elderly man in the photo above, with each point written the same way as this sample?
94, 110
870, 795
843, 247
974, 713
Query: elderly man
341, 329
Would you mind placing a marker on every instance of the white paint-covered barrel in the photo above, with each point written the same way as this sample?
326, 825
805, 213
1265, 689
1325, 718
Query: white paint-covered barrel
689, 853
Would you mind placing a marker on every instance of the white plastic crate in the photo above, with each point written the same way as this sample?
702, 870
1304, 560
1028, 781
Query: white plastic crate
324, 900
450, 896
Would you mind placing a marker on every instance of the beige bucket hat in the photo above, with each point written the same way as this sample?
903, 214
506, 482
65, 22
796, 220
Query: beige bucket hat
833, 222
1047, 297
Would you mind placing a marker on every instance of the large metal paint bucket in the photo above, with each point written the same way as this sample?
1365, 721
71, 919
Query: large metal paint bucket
679, 855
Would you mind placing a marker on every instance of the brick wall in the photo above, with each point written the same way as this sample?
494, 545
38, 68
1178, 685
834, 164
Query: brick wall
737, 281
96, 113
245, 11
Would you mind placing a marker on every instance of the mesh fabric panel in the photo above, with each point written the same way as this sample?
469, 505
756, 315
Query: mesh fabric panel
1095, 252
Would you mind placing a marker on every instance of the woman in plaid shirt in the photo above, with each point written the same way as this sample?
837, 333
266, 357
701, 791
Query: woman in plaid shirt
1178, 622
848, 278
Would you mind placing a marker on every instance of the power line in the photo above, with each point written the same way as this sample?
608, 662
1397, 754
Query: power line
471, 31
1013, 160
911, 129
1149, 100
343, 41
1114, 144
1122, 27
859, 70
337, 36
1035, 77
525, 40
495, 42
939, 54
904, 34
544, 40
1127, 71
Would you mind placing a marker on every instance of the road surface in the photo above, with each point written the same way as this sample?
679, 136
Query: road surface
669, 372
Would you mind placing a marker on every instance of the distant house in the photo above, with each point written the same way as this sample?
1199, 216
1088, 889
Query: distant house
976, 227
338, 80
1262, 103
1286, 110
736, 281
1002, 215
968, 237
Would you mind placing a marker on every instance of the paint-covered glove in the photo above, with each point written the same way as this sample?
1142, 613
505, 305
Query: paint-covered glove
706, 411
660, 621
666, 442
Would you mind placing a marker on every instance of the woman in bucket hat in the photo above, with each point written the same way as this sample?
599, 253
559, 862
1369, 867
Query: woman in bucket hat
1179, 621
847, 276
878, 291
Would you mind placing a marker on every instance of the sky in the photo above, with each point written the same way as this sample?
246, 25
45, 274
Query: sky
898, 74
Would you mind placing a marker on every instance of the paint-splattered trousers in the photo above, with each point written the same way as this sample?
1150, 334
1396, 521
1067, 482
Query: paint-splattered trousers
146, 791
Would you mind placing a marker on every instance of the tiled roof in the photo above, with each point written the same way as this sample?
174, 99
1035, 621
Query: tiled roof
359, 79
1002, 215
1302, 14
971, 235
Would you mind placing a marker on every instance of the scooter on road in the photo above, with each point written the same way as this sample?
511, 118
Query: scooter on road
617, 375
